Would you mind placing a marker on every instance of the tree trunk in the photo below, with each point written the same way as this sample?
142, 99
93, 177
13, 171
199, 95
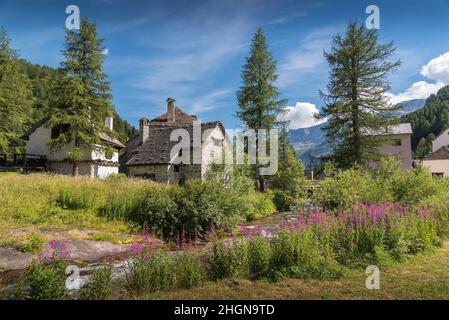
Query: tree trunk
75, 169
261, 183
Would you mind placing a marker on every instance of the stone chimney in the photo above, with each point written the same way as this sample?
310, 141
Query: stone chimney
109, 123
144, 130
171, 110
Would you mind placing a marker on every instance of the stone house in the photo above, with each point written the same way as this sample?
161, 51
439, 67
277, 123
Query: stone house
100, 162
398, 144
438, 161
149, 154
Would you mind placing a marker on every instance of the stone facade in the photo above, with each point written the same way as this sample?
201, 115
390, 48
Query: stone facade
149, 154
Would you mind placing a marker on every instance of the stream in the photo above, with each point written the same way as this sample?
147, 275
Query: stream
120, 264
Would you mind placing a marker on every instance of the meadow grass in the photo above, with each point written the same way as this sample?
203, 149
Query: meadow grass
44, 205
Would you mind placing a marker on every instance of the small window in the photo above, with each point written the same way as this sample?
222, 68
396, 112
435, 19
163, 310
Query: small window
58, 130
176, 168
396, 142
438, 175
218, 142
180, 153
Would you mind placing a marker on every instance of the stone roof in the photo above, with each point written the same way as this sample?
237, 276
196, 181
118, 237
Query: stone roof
110, 140
180, 118
156, 150
440, 154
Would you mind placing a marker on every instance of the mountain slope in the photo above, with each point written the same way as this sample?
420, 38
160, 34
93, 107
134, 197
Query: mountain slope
430, 120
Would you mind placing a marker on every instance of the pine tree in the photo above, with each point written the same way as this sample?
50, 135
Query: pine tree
16, 98
258, 97
82, 97
356, 103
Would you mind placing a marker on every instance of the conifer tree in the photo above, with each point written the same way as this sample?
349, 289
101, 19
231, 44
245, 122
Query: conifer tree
16, 98
356, 103
82, 97
258, 96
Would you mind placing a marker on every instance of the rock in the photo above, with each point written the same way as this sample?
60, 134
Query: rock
12, 259
87, 250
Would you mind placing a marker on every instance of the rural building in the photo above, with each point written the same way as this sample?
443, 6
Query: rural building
148, 154
100, 162
438, 161
398, 144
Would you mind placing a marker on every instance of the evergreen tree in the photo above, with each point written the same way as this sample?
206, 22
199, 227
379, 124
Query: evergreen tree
258, 97
15, 98
82, 97
356, 103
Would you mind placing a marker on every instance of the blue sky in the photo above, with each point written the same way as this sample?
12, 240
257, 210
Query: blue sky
193, 50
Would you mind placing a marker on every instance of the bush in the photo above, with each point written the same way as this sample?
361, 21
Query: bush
259, 252
99, 287
171, 210
261, 206
301, 255
189, 271
150, 273
43, 280
227, 260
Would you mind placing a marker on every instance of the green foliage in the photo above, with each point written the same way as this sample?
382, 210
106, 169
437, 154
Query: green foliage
99, 287
82, 95
16, 98
290, 182
356, 100
43, 280
189, 270
151, 273
75, 199
430, 120
170, 210
258, 96
301, 255
262, 205
227, 260
259, 253
388, 183
33, 243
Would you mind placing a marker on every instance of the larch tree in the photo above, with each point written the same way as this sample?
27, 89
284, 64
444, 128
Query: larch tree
16, 98
82, 95
258, 98
357, 106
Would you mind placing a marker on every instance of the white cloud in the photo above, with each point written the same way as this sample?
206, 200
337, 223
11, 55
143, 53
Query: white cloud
210, 101
105, 51
418, 90
437, 70
302, 115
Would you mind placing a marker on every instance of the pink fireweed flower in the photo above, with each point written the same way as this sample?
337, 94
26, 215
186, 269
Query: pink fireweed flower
137, 248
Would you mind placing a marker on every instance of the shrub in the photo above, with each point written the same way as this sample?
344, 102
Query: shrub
43, 280
259, 252
227, 260
150, 273
189, 271
261, 206
100, 286
33, 243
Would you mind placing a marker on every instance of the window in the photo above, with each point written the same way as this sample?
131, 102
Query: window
396, 142
438, 175
218, 142
180, 153
58, 130
147, 176
176, 168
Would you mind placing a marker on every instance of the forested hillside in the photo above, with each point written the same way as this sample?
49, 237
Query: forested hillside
42, 80
429, 121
